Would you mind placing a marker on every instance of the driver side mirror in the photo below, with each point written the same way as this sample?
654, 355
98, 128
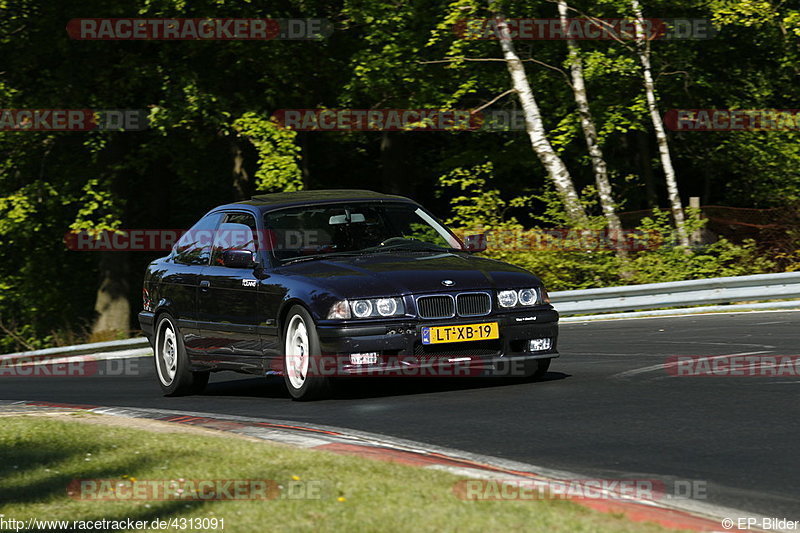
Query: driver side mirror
238, 259
475, 243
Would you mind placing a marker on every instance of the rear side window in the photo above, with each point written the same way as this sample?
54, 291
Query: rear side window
194, 246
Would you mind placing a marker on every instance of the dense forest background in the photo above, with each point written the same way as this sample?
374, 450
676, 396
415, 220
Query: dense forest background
210, 138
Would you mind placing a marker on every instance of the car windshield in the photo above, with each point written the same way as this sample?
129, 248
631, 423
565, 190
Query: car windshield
354, 228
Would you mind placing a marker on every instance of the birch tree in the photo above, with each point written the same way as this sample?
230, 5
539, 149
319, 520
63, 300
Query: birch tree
556, 169
643, 51
599, 166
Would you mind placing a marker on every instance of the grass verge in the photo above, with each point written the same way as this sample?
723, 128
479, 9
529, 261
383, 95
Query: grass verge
39, 457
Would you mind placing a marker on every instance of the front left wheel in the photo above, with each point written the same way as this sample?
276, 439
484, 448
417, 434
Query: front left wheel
172, 365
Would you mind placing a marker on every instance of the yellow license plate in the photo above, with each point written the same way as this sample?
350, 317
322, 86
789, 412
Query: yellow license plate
460, 333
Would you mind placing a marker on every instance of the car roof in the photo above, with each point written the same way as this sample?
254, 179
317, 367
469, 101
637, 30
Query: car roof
283, 199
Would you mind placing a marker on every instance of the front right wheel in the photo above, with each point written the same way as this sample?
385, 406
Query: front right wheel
302, 360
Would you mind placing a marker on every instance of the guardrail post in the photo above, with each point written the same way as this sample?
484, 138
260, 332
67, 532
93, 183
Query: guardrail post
696, 237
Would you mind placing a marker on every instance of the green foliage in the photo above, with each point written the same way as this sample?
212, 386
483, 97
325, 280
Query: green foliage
744, 12
568, 258
668, 262
278, 155
423, 232
98, 209
15, 209
383, 54
470, 202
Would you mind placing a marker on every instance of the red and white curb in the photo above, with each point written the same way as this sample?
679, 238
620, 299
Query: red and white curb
684, 514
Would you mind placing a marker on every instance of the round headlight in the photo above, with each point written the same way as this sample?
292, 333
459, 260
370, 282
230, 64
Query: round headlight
386, 306
527, 296
507, 298
362, 308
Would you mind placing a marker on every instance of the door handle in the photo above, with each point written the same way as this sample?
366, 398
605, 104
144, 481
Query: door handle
205, 284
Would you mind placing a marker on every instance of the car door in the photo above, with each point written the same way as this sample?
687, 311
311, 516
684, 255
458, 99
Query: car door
272, 290
227, 315
180, 283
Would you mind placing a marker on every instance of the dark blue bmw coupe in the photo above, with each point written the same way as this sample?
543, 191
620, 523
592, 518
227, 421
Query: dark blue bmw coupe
316, 285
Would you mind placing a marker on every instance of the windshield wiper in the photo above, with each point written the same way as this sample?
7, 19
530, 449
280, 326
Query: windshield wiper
411, 247
400, 247
319, 256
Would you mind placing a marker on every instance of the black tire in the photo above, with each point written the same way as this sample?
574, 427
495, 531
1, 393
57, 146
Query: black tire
303, 384
174, 375
536, 369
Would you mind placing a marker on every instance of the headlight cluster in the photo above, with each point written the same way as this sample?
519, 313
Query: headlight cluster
521, 297
368, 308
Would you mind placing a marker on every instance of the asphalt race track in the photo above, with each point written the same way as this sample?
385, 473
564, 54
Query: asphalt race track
739, 435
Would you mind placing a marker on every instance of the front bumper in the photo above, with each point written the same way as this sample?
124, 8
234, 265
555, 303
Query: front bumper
398, 344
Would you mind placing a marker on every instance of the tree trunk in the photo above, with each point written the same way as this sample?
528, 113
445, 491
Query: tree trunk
111, 303
239, 176
303, 140
393, 175
643, 46
555, 167
590, 134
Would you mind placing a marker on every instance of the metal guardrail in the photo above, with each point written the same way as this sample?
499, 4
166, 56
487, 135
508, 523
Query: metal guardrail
138, 343
627, 299
760, 287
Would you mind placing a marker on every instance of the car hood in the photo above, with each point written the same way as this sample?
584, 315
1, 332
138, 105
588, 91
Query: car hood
391, 273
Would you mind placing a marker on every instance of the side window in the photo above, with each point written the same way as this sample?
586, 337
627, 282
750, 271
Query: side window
237, 232
194, 246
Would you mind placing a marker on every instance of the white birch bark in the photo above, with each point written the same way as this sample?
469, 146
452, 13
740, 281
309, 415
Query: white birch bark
599, 166
643, 48
534, 126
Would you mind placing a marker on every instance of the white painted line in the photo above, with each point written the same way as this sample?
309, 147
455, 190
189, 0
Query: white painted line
664, 366
685, 343
282, 436
668, 313
476, 473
